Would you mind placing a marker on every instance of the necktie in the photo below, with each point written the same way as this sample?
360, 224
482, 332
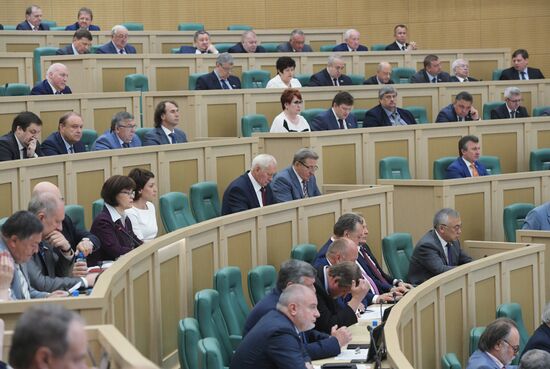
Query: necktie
225, 85
335, 82
173, 137
341, 123
121, 51
264, 196
522, 75
434, 80
395, 118
373, 286
465, 79
403, 48
71, 150
304, 189
513, 114
303, 337
371, 264
450, 260
57, 93
24, 153
125, 145
23, 283
474, 170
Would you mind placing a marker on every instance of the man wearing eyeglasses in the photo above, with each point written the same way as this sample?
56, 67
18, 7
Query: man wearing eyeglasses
512, 107
119, 42
338, 116
121, 135
220, 78
439, 249
497, 346
298, 180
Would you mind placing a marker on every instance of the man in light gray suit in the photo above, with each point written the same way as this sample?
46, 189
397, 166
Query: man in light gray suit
298, 180
538, 219
296, 44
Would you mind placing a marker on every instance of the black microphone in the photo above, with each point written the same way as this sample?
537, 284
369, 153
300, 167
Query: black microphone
377, 360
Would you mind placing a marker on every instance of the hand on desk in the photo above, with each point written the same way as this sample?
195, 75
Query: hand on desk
342, 334
388, 297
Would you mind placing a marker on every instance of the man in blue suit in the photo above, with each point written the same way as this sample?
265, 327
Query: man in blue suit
22, 141
119, 42
82, 41
337, 117
201, 44
497, 346
121, 135
467, 164
67, 139
248, 44
167, 117
351, 42
332, 75
387, 113
55, 82
432, 72
33, 20
541, 336
520, 70
84, 21
251, 190
220, 78
462, 110
298, 180
538, 219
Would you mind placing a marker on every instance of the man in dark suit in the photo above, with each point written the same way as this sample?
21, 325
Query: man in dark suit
387, 113
467, 164
82, 41
119, 42
298, 180
296, 44
400, 43
461, 70
520, 70
439, 249
33, 20
84, 21
348, 225
512, 107
67, 139
201, 44
22, 141
461, 110
121, 135
432, 71
332, 75
248, 44
220, 78
55, 82
351, 42
251, 190
167, 117
541, 336
382, 76
337, 117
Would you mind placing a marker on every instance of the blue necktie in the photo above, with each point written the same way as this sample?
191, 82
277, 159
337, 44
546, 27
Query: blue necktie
225, 84
173, 137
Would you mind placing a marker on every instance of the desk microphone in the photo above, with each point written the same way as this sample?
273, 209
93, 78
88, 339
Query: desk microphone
377, 360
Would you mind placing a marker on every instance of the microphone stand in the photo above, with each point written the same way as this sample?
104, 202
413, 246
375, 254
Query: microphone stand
377, 360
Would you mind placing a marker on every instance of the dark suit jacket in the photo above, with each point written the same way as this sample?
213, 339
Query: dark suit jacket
386, 283
1, 27
190, 50
54, 145
109, 141
287, 186
322, 78
49, 270
448, 114
327, 121
238, 48
75, 235
458, 169
75, 26
9, 149
470, 79
24, 26
240, 196
512, 74
344, 47
211, 82
158, 137
67, 50
109, 48
373, 81
422, 77
428, 258
394, 47
44, 88
285, 47
501, 112
377, 117
539, 340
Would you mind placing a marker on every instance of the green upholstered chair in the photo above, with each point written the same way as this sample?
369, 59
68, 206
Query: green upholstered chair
538, 110
309, 114
440, 166
539, 159
394, 167
303, 78
175, 50
450, 361
304, 251
49, 23
327, 48
356, 79
175, 211
76, 213
88, 138
475, 335
3, 220
9, 27
141, 132
192, 84
255, 78
488, 106
210, 354
512, 310
17, 89
223, 47
133, 26
3, 90
513, 218
359, 116
190, 27
491, 163
378, 47
402, 74
37, 53
397, 249
93, 49
205, 201
253, 123
419, 113
188, 339
228, 283
57, 28
239, 27
496, 74
270, 47
97, 207
136, 82
261, 280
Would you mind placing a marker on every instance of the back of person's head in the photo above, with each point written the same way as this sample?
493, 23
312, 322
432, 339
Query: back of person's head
82, 33
463, 142
24, 120
112, 187
443, 215
293, 271
496, 331
339, 246
429, 59
303, 154
342, 97
119, 119
464, 96
160, 110
21, 224
346, 222
44, 202
535, 359
141, 177
524, 54
346, 272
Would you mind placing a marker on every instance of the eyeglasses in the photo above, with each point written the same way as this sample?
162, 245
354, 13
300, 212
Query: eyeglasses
515, 101
129, 193
515, 348
297, 102
313, 168
129, 126
456, 227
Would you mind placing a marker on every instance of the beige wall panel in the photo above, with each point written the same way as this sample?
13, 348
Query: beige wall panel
170, 303
142, 305
339, 164
50, 121
113, 78
89, 187
428, 336
279, 243
229, 168
183, 174
9, 75
269, 109
485, 301
6, 196
222, 121
521, 291
518, 195
320, 228
439, 147
373, 217
6, 120
407, 341
390, 148
120, 311
543, 140
283, 149
425, 101
202, 277
409, 197
317, 104
103, 117
18, 48
172, 79
365, 103
454, 323
483, 69
239, 254
503, 145
472, 213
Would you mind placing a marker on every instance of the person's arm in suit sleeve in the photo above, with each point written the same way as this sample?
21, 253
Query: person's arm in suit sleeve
201, 84
151, 138
429, 258
105, 229
532, 221
317, 124
48, 148
236, 200
314, 81
442, 117
5, 152
44, 283
316, 191
344, 316
453, 172
286, 351
320, 345
463, 258
102, 143
494, 114
282, 189
371, 120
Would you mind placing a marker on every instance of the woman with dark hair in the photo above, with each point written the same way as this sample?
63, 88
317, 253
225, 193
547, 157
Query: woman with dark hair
290, 119
112, 226
285, 74
142, 214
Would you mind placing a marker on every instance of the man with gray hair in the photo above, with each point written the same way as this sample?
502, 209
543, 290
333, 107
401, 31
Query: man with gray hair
298, 180
252, 189
119, 42
512, 107
55, 82
351, 42
439, 249
332, 75
541, 336
497, 346
387, 113
121, 135
248, 44
535, 359
461, 71
33, 20
296, 44
382, 76
220, 78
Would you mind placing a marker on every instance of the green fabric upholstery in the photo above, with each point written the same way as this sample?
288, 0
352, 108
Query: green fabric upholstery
49, 23
228, 283
397, 249
327, 48
56, 28
270, 47
190, 27
360, 116
261, 280
488, 106
304, 251
175, 211
210, 354
255, 78
475, 335
539, 159
239, 27
192, 85
356, 79
223, 47
88, 138
37, 53
188, 339
97, 207
496, 74
253, 123
3, 90
141, 132
440, 166
378, 47
402, 74
93, 49
76, 213
538, 110
205, 200
450, 361
394, 167
512, 310
419, 113
17, 89
513, 217
309, 114
136, 82
303, 78
9, 27
175, 50
491, 163
133, 26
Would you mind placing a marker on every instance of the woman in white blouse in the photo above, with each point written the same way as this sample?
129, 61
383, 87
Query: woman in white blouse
290, 119
142, 214
285, 74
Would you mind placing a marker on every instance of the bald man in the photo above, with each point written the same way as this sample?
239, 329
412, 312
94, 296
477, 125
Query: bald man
382, 76
55, 82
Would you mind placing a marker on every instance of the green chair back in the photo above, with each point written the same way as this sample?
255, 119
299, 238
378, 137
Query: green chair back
440, 166
303, 78
193, 80
488, 106
270, 47
394, 167
210, 354
496, 74
402, 74
255, 78
49, 23
327, 48
378, 47
223, 47
205, 200
513, 218
136, 82
133, 26
93, 49
539, 159
397, 249
239, 27
359, 116
88, 138
3, 90
450, 361
253, 123
512, 310
475, 335
175, 211
57, 28
356, 79
188, 339
305, 252
17, 89
491, 163
538, 110
261, 281
310, 114
141, 132
419, 113
37, 53
76, 213
228, 283
97, 207
9, 27
175, 50
190, 27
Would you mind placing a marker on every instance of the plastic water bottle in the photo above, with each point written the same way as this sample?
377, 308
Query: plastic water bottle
80, 257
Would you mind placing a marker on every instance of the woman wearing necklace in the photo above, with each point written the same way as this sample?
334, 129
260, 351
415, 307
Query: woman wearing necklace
290, 119
142, 213
285, 74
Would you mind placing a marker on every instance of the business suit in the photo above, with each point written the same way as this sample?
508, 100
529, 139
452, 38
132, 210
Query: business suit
68, 50
54, 145
239, 49
395, 47
9, 150
539, 340
109, 48
448, 114
285, 47
344, 47
385, 283
377, 117
25, 26
158, 137
512, 74
44, 88
109, 140
210, 81
374, 81
240, 196
501, 112
75, 235
422, 77
327, 121
428, 258
322, 251
458, 169
75, 26
323, 78
191, 50
538, 219
470, 79
480, 360
287, 186
49, 270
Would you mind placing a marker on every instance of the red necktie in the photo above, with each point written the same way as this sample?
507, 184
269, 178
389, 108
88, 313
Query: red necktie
264, 196
371, 264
